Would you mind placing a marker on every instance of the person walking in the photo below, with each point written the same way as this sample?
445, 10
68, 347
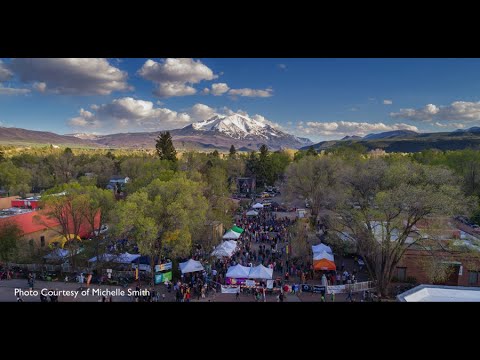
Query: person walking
349, 297
332, 297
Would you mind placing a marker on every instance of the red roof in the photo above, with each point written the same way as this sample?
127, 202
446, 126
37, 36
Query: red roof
29, 224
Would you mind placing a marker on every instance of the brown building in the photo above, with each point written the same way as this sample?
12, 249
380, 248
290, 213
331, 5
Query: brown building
417, 264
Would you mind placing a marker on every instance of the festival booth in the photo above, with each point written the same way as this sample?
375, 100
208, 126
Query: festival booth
190, 266
323, 261
320, 248
237, 275
125, 258
252, 213
260, 272
225, 249
222, 251
237, 229
258, 206
231, 235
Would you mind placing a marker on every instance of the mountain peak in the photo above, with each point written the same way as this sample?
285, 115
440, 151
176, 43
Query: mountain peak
236, 126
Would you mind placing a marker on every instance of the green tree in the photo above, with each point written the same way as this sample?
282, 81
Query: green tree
314, 179
98, 206
165, 148
233, 152
10, 235
379, 205
14, 179
311, 152
163, 217
67, 205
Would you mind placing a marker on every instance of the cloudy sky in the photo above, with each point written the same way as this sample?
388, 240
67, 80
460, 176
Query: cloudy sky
316, 98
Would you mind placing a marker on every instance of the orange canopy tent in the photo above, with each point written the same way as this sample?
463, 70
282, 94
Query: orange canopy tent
323, 261
324, 264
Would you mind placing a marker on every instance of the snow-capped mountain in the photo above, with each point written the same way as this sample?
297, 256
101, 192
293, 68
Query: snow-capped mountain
84, 136
237, 126
246, 131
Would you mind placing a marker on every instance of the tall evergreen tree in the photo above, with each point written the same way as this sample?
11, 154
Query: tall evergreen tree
233, 152
165, 148
311, 151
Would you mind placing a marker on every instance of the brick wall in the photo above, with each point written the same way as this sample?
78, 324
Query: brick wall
414, 262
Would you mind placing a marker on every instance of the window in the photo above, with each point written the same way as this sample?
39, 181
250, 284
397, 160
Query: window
42, 241
401, 273
473, 277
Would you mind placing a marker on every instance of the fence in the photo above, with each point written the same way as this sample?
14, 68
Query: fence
356, 287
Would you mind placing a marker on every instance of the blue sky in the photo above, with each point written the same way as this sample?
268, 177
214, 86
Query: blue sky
316, 98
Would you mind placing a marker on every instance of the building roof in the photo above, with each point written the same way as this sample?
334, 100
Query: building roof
25, 219
440, 293
118, 177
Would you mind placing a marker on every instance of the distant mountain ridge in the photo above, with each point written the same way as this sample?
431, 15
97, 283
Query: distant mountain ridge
218, 132
409, 141
18, 135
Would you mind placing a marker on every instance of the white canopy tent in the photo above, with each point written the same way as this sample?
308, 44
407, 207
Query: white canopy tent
191, 266
260, 272
238, 272
225, 249
322, 255
231, 235
124, 258
252, 213
231, 244
257, 206
322, 247
220, 252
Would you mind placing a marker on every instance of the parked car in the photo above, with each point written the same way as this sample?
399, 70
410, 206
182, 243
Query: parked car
103, 229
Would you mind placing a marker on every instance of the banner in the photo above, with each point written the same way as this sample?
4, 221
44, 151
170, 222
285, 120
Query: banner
306, 288
319, 289
162, 277
163, 267
250, 283
142, 267
336, 289
231, 281
269, 284
230, 289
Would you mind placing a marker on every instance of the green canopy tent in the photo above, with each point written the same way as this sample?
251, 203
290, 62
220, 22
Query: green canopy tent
237, 229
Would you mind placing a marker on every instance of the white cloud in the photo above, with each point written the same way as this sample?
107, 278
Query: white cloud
130, 114
219, 89
342, 128
200, 112
424, 114
282, 66
450, 125
168, 89
5, 73
251, 92
173, 76
12, 91
40, 86
457, 110
387, 102
264, 120
80, 76
86, 119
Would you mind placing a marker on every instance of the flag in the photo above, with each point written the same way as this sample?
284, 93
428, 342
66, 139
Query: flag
136, 273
